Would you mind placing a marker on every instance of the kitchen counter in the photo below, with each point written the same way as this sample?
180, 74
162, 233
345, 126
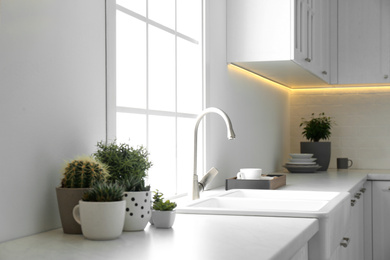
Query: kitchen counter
200, 236
333, 179
197, 237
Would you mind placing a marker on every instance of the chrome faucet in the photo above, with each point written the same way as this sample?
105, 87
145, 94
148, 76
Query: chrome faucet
196, 185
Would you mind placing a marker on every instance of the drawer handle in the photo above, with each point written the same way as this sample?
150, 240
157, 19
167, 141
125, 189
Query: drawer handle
345, 242
308, 59
357, 195
363, 190
353, 202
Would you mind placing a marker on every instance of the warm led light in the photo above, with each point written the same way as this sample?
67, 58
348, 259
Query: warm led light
258, 77
331, 88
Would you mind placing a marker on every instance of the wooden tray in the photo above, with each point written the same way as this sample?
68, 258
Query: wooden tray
234, 183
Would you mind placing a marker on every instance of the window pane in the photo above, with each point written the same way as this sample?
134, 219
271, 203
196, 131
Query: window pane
138, 6
185, 153
189, 92
131, 129
161, 70
162, 148
162, 12
189, 18
130, 61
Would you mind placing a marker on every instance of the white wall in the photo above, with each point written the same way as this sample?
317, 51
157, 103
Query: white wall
52, 103
259, 110
362, 127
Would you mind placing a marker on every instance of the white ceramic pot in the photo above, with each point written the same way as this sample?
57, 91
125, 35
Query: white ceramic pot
138, 212
100, 220
163, 219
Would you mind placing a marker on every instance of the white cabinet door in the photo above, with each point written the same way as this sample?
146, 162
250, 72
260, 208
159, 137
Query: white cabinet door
363, 41
311, 39
352, 244
381, 220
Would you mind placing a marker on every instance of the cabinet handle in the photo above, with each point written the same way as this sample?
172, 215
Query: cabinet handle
353, 202
357, 195
345, 242
386, 76
308, 59
363, 190
324, 73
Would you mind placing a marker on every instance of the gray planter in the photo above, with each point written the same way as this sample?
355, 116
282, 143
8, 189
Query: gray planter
67, 198
320, 150
163, 219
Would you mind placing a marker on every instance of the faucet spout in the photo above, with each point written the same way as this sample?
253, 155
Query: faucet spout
230, 135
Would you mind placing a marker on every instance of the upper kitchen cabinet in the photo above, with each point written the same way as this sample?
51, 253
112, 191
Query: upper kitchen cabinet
363, 41
287, 41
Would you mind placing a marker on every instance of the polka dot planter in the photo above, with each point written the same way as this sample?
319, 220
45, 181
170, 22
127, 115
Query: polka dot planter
138, 211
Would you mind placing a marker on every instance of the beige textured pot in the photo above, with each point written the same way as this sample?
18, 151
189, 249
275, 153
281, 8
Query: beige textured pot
67, 198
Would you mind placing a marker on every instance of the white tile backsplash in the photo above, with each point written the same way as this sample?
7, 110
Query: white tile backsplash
362, 116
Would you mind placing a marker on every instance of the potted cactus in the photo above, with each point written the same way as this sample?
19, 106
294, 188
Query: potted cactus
163, 213
78, 176
128, 166
101, 212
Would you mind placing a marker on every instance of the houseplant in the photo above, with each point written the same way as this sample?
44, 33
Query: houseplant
314, 130
128, 166
163, 213
78, 176
101, 212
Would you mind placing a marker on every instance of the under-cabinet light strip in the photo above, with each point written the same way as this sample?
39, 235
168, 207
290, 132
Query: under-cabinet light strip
330, 88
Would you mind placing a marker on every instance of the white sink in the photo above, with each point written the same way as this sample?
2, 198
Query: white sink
332, 209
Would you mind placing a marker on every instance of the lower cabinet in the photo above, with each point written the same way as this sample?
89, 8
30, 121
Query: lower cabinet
302, 254
381, 220
352, 244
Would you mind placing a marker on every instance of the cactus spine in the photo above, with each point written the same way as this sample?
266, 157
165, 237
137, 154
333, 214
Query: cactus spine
83, 172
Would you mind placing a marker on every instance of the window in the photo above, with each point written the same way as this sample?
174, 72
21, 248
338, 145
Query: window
159, 86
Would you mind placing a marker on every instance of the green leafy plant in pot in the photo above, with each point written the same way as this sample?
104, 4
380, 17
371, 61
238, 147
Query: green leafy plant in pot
101, 212
128, 167
163, 213
314, 130
78, 176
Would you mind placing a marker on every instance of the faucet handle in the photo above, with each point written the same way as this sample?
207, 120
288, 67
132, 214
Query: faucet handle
208, 177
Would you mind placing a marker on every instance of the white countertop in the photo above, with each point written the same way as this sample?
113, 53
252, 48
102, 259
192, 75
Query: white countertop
333, 179
199, 236
208, 237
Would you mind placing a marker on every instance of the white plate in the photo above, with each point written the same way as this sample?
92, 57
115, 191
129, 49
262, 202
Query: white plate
303, 160
301, 155
301, 163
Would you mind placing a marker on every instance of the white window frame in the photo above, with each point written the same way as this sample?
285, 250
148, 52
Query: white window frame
112, 109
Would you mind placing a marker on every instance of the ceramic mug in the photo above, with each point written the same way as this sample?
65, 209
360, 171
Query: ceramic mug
344, 163
249, 173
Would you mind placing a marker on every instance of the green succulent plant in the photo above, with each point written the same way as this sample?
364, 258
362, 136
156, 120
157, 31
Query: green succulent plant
160, 204
127, 165
104, 192
133, 183
317, 128
83, 172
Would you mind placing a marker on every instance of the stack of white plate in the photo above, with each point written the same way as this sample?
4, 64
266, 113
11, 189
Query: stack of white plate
302, 163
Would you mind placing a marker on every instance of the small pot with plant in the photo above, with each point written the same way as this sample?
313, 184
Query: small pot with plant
101, 212
78, 176
314, 130
128, 166
163, 213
